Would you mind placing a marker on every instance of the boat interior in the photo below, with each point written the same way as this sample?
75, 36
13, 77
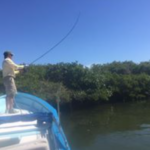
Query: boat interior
22, 135
33, 145
35, 126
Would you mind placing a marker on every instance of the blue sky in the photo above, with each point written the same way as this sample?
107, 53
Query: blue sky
108, 30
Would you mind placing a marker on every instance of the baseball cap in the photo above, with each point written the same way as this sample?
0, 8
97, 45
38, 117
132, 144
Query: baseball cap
6, 53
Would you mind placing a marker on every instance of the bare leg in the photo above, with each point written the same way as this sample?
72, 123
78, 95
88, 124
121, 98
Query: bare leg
9, 102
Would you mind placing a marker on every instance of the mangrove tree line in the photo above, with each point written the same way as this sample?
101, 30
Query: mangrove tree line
73, 82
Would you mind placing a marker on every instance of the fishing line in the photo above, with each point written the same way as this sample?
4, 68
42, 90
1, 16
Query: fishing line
53, 47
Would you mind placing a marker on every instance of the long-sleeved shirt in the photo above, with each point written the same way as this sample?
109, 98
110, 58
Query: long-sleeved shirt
10, 68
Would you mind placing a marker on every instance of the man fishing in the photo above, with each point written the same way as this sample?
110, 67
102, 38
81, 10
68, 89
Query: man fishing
9, 70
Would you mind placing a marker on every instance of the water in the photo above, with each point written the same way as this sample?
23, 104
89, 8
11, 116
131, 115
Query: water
109, 127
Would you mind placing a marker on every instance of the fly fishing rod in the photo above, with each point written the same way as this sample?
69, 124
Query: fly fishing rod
58, 43
52, 48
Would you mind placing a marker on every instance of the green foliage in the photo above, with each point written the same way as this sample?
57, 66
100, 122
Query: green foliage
34, 82
117, 81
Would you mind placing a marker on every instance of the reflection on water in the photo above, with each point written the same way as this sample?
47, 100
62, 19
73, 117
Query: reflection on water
119, 127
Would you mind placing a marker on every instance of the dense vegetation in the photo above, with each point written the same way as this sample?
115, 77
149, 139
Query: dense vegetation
75, 83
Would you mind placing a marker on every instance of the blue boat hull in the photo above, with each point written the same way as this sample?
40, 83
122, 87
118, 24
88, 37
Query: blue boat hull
39, 109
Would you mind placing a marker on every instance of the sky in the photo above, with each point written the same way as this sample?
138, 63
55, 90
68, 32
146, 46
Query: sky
107, 30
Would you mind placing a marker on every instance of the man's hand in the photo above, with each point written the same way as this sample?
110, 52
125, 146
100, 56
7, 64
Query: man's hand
21, 71
25, 69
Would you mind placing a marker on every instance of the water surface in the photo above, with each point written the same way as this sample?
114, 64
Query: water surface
123, 126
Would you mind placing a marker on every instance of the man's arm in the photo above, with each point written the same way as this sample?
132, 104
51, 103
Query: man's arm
14, 66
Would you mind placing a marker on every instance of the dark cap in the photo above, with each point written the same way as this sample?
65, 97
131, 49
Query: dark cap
6, 53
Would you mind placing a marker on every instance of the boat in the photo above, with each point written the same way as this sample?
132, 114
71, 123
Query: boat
35, 126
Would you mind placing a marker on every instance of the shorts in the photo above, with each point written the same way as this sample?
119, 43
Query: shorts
10, 86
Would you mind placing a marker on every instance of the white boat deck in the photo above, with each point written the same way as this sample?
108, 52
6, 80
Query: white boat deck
17, 126
11, 137
34, 145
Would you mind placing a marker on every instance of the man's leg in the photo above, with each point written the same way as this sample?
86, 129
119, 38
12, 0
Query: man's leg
9, 102
10, 92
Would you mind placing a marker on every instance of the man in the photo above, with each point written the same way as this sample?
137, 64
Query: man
10, 69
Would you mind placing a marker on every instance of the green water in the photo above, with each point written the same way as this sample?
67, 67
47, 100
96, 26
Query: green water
109, 127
